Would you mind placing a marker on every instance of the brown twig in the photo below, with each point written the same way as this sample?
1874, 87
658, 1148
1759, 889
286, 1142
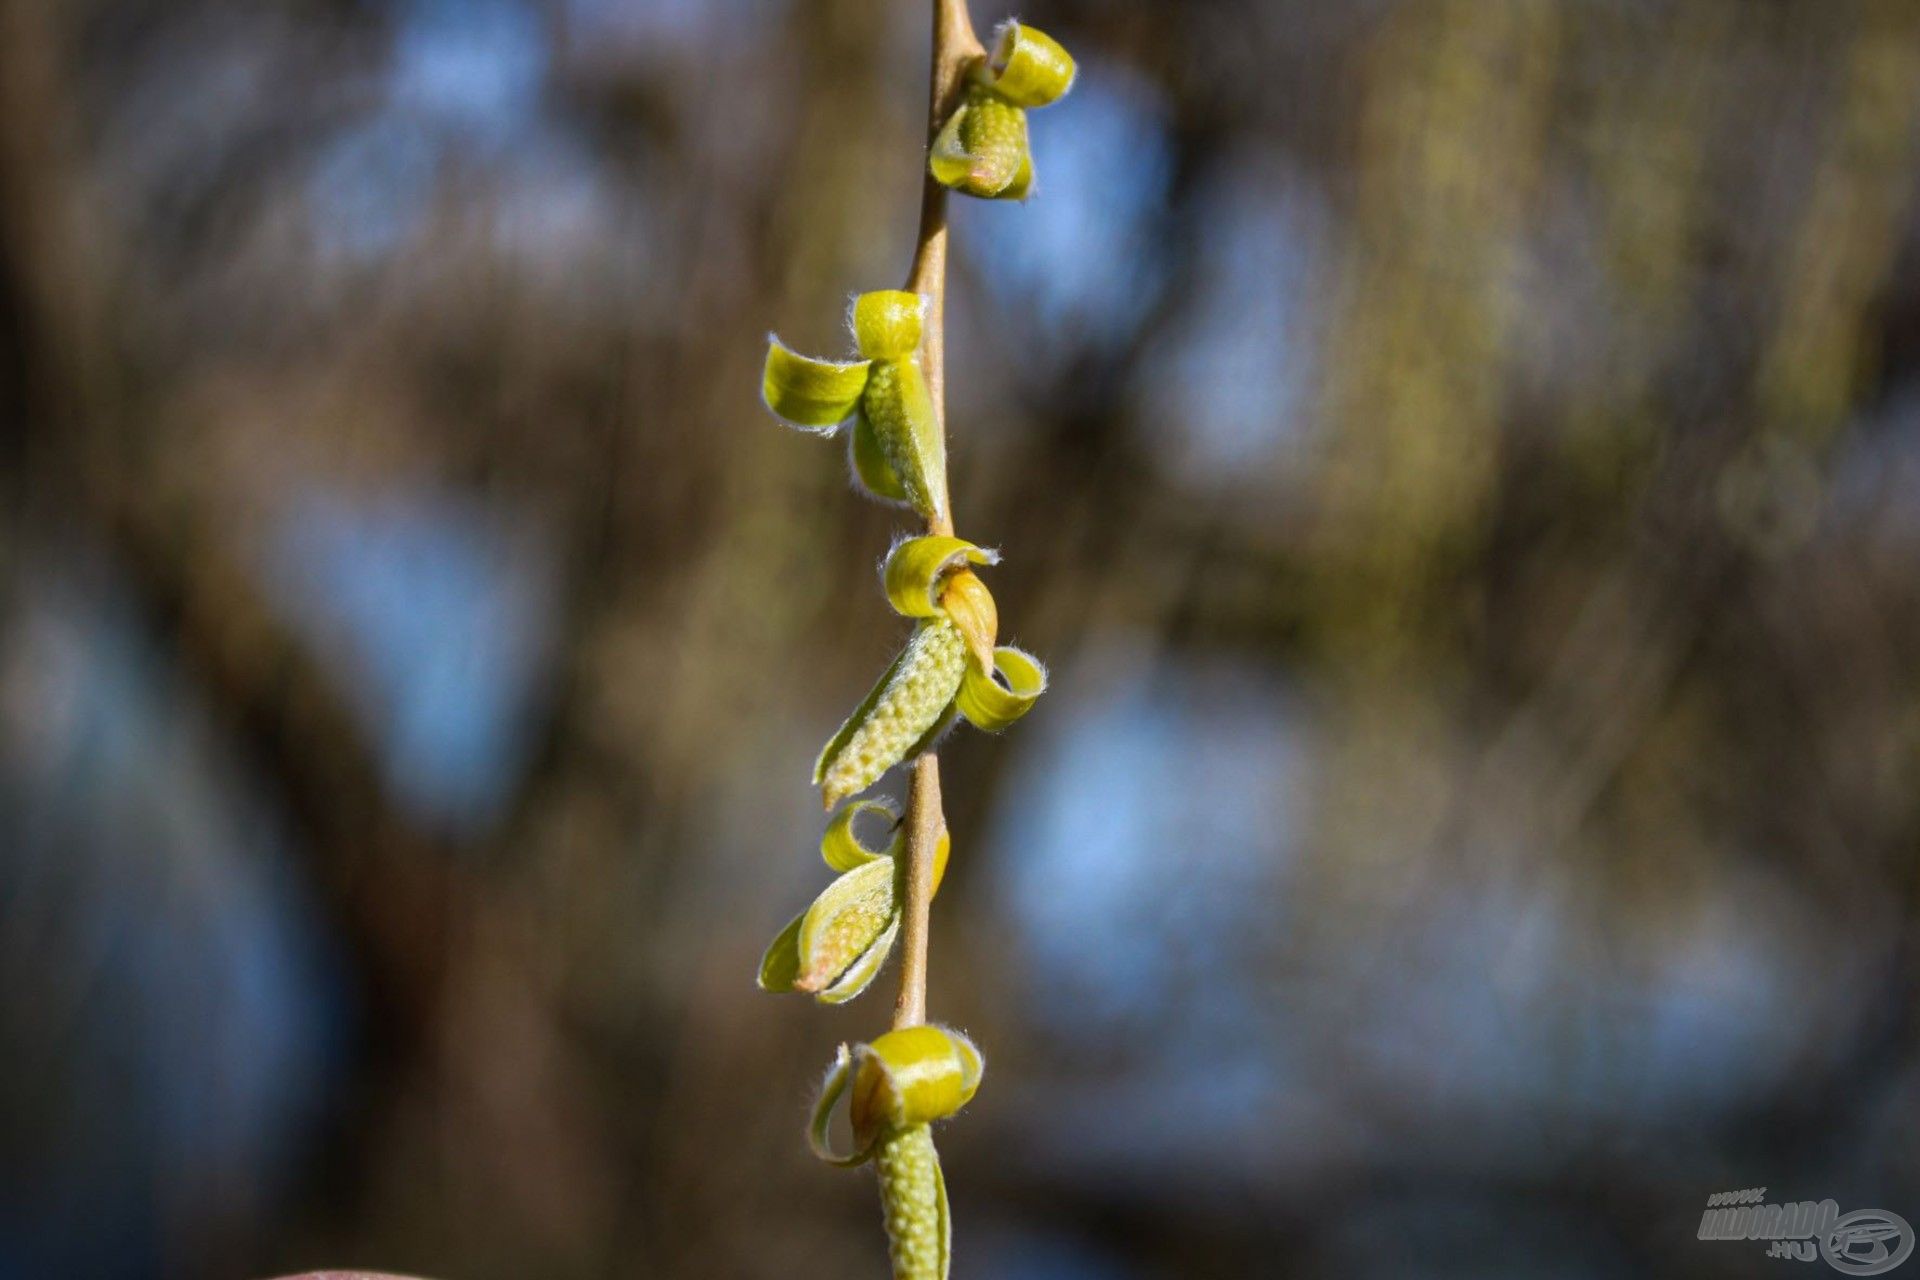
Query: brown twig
955, 48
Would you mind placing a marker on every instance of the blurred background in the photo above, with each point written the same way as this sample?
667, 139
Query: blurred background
1460, 457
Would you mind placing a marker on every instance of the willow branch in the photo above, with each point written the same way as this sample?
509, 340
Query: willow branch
955, 47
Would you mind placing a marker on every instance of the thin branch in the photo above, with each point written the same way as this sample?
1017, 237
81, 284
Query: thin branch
955, 48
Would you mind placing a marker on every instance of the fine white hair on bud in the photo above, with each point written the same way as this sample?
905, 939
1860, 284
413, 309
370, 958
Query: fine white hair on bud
983, 148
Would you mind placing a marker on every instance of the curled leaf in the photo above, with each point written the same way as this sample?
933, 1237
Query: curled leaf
897, 716
900, 410
780, 965
1027, 66
869, 462
969, 606
992, 703
840, 845
983, 146
842, 849
835, 948
914, 569
887, 323
912, 1076
816, 395
838, 1077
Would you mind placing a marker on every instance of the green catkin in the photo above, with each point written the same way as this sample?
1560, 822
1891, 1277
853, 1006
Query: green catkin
858, 910
899, 408
910, 701
913, 1201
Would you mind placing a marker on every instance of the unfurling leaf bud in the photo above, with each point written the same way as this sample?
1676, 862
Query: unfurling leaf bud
896, 447
911, 1076
1027, 66
835, 948
913, 1192
928, 577
899, 716
902, 1083
915, 571
983, 147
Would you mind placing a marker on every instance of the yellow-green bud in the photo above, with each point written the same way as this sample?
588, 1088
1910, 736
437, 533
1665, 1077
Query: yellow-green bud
896, 446
983, 146
836, 947
899, 716
902, 1083
911, 1076
886, 323
917, 570
1027, 66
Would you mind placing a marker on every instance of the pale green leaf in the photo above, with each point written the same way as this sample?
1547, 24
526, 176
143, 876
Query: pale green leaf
992, 703
869, 462
781, 963
913, 569
838, 1076
840, 845
815, 395
1027, 66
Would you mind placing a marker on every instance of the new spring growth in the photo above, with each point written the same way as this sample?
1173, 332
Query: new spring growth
901, 1084
895, 446
833, 949
983, 149
950, 667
